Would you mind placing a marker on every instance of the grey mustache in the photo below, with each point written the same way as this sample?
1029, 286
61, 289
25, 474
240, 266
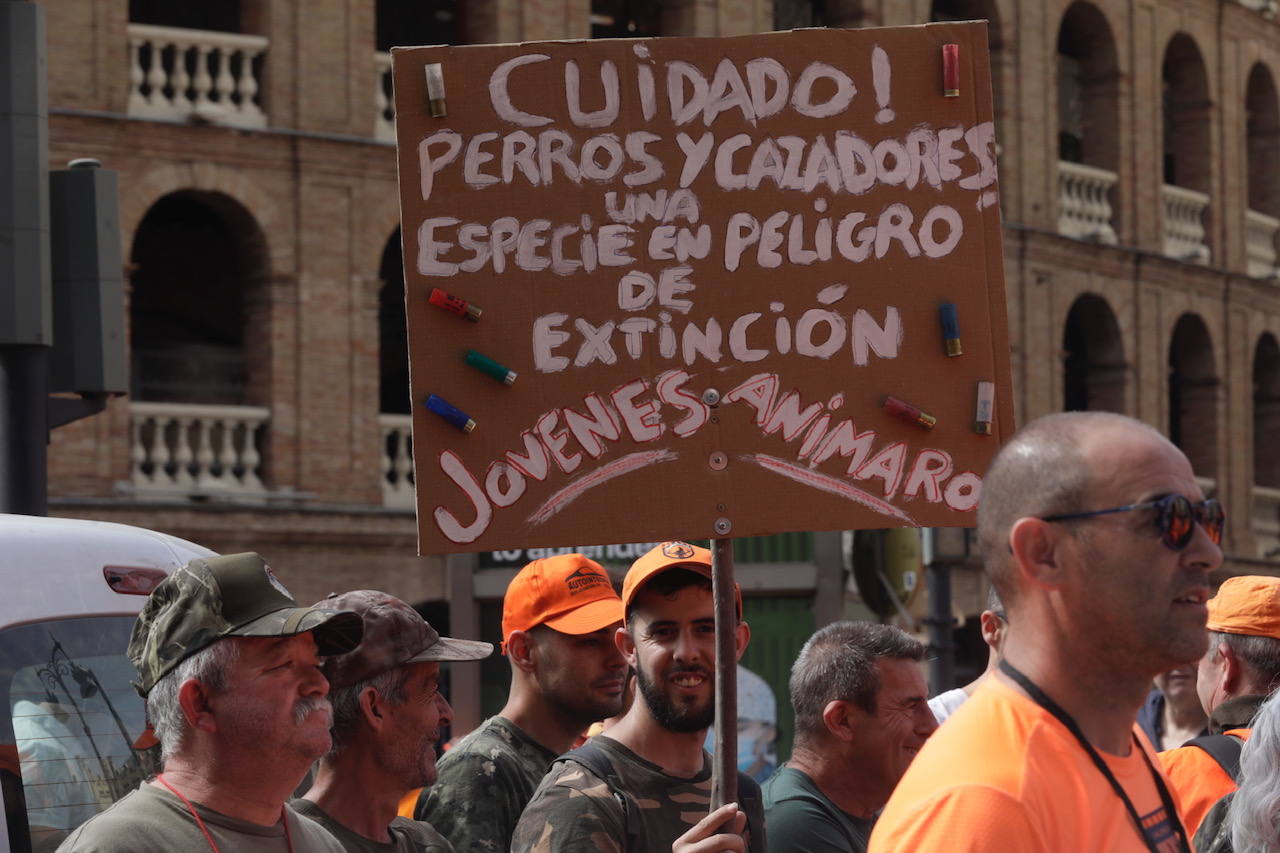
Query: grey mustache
304, 707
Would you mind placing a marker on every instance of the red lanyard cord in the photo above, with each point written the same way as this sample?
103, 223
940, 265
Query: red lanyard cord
288, 840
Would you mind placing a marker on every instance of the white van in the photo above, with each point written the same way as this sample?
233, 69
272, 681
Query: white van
71, 724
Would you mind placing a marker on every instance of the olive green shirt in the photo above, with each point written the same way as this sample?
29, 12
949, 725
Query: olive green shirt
802, 819
152, 820
407, 836
575, 811
483, 784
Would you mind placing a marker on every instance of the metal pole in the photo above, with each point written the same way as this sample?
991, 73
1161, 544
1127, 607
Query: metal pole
724, 768
24, 429
942, 653
26, 330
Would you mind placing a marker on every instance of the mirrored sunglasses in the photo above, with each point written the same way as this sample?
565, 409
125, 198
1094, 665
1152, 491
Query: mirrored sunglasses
1176, 518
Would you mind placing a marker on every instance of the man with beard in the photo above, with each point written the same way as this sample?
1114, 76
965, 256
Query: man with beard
558, 620
1094, 530
646, 784
387, 716
230, 668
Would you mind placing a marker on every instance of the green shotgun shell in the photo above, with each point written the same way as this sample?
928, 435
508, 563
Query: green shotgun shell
484, 364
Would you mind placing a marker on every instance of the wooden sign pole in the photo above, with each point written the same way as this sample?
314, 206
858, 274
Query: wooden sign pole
724, 769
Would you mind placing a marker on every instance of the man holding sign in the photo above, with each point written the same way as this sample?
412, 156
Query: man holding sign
646, 785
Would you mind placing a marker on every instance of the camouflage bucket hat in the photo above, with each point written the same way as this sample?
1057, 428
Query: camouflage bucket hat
231, 596
394, 635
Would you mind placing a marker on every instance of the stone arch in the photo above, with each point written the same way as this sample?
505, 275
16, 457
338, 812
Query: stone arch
1262, 134
1266, 412
1088, 88
1187, 111
407, 22
380, 218
1094, 367
393, 340
971, 10
796, 14
199, 259
1195, 394
141, 192
626, 18
223, 16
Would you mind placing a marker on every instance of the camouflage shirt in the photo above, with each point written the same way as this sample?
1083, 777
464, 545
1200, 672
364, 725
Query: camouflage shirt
574, 811
484, 783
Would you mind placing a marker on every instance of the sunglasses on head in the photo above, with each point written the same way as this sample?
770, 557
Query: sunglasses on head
1176, 518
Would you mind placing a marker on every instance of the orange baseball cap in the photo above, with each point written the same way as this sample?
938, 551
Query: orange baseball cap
669, 555
1249, 604
569, 593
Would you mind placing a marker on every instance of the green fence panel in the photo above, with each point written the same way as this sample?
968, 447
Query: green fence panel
779, 627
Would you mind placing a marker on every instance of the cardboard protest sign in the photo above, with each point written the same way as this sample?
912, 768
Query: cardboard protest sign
708, 263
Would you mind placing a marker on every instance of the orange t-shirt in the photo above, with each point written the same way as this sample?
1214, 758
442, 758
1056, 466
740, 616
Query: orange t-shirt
1198, 779
1004, 775
408, 803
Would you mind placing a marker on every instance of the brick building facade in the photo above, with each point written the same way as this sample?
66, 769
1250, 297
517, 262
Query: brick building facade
1140, 190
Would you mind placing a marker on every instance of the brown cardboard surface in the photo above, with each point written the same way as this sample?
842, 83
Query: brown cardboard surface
770, 223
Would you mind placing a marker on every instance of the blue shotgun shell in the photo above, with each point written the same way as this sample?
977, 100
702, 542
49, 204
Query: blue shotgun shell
950, 328
450, 413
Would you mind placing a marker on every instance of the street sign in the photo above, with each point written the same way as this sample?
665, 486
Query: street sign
698, 288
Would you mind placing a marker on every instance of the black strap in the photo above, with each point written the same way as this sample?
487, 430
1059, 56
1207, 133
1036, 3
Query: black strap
748, 791
1042, 699
1224, 749
595, 759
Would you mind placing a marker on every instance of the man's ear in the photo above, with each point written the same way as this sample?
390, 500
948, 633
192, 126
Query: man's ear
991, 628
372, 708
1232, 676
194, 700
1036, 552
837, 718
622, 639
742, 636
520, 650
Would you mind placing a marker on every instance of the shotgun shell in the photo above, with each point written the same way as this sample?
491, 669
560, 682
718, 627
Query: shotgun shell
486, 365
951, 70
950, 329
435, 90
453, 415
986, 407
909, 413
454, 304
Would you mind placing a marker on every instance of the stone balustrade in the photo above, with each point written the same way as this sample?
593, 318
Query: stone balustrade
384, 121
397, 461
1184, 234
196, 75
1266, 8
196, 450
1260, 243
1084, 202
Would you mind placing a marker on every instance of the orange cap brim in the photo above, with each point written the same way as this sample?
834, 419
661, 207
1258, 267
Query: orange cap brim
634, 583
589, 617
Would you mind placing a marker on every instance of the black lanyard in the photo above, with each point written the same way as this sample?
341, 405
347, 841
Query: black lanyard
1040, 698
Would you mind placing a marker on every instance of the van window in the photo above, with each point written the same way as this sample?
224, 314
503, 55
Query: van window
70, 738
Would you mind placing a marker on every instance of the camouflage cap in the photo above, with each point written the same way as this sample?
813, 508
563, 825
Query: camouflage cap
231, 596
394, 635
